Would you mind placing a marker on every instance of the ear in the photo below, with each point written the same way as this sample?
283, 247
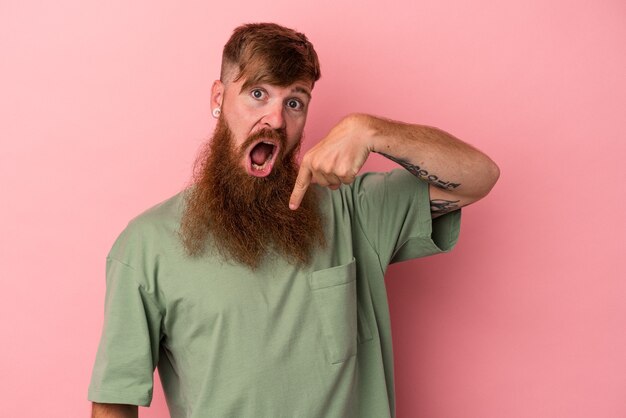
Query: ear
217, 94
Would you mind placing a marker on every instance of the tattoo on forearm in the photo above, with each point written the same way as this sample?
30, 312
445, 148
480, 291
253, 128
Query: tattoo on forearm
420, 173
441, 206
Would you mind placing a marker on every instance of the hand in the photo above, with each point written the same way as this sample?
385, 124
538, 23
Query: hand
336, 159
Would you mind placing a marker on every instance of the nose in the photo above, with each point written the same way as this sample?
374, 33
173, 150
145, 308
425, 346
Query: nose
274, 118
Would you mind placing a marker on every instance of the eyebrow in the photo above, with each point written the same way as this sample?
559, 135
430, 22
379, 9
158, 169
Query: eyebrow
302, 90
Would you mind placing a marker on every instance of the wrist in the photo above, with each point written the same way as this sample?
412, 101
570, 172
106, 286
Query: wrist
368, 129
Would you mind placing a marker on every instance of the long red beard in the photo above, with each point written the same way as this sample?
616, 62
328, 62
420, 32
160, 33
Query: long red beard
244, 217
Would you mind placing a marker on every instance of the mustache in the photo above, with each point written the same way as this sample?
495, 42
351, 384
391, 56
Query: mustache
278, 135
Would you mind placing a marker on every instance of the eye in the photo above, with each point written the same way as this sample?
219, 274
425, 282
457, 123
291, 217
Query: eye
294, 104
257, 93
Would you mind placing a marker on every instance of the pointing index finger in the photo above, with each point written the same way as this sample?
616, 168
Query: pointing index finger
302, 184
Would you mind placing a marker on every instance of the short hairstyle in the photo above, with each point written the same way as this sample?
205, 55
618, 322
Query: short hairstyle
269, 53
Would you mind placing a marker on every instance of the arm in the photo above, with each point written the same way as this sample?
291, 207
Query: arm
458, 174
106, 410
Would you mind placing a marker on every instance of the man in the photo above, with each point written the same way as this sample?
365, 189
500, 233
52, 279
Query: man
259, 291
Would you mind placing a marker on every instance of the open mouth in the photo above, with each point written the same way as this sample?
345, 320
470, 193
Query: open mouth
261, 157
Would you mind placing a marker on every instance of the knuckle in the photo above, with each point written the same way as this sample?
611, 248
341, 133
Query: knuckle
320, 167
306, 160
343, 173
347, 175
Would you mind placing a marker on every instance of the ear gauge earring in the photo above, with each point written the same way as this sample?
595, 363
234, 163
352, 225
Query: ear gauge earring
216, 112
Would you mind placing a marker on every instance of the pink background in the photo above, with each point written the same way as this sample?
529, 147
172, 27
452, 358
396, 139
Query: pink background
104, 105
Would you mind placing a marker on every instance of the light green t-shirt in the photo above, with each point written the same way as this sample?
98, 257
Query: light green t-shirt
280, 342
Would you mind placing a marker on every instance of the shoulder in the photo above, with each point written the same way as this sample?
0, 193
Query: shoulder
374, 186
155, 227
163, 213
368, 194
389, 179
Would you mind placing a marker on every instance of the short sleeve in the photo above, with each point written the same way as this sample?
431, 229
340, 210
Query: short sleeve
393, 210
129, 345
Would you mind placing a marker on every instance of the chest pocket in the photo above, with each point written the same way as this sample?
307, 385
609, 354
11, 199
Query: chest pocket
343, 322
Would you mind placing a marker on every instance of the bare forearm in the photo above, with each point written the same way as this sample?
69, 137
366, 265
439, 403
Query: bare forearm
435, 156
105, 410
458, 173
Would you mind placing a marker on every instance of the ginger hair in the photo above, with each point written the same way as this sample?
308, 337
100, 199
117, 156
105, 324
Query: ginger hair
269, 53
